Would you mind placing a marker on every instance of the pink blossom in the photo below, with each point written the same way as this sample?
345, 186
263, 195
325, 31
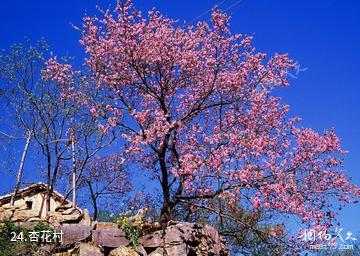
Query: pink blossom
256, 202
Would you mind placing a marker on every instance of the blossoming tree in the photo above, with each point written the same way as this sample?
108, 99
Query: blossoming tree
196, 108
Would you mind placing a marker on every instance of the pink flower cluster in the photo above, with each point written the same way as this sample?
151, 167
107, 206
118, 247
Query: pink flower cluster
61, 73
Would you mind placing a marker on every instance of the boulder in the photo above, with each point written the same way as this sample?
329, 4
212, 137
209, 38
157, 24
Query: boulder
86, 218
34, 219
63, 207
75, 233
106, 225
22, 215
139, 215
57, 218
149, 227
109, 236
158, 252
70, 211
123, 251
141, 250
182, 238
181, 249
15, 207
62, 254
46, 249
152, 240
89, 250
5, 215
210, 242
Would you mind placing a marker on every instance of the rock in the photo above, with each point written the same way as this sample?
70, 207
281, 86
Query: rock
86, 219
22, 215
34, 219
141, 250
63, 207
123, 251
158, 252
149, 227
56, 218
9, 207
109, 237
152, 240
173, 236
75, 233
93, 224
106, 225
89, 250
70, 211
15, 207
45, 249
139, 215
181, 249
5, 215
182, 238
108, 234
61, 254
211, 242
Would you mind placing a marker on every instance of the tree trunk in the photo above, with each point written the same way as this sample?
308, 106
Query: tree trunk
21, 167
48, 194
53, 183
93, 198
165, 215
73, 171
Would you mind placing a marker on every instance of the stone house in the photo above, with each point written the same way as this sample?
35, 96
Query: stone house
33, 200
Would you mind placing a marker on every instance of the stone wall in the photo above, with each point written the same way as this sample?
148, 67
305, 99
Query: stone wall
84, 237
177, 239
183, 238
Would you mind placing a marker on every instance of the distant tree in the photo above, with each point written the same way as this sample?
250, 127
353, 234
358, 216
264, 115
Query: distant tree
106, 179
19, 73
39, 112
86, 142
195, 107
54, 117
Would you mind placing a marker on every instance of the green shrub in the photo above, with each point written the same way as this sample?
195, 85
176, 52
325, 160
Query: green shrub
8, 248
13, 237
132, 229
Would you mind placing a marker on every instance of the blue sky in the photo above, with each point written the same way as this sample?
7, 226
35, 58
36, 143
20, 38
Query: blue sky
323, 36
